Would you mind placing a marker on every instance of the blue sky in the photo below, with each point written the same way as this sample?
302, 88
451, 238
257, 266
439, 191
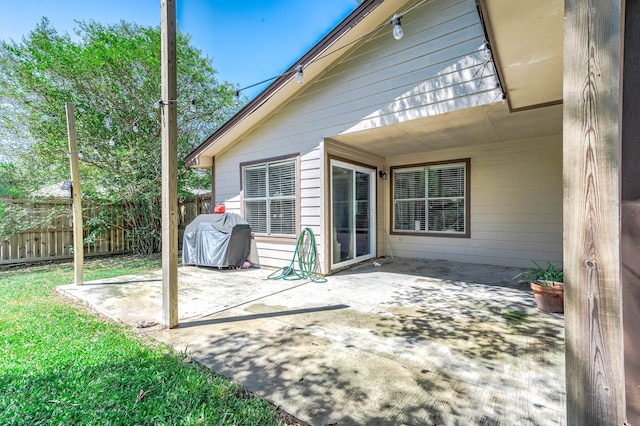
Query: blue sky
248, 41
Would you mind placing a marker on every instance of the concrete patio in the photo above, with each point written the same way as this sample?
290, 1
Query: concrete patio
411, 342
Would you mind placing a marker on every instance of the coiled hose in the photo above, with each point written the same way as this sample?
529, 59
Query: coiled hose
307, 255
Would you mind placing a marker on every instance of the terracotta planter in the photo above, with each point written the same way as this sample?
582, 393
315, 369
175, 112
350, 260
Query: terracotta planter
549, 299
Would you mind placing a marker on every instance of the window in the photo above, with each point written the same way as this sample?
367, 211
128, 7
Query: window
431, 199
270, 197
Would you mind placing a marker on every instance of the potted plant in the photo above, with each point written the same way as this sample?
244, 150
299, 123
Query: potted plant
547, 285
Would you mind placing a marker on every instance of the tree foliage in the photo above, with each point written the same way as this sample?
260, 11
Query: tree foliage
112, 75
9, 180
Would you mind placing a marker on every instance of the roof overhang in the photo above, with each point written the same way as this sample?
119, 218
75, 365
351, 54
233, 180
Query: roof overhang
527, 40
341, 40
463, 128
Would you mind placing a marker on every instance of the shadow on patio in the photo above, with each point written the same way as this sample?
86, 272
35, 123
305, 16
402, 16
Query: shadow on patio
411, 342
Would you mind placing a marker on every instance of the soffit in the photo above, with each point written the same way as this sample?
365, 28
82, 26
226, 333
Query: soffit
527, 42
472, 126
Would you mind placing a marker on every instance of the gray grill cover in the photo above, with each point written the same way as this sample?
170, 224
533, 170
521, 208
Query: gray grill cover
220, 240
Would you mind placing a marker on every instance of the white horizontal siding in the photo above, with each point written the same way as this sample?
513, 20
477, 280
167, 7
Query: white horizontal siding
313, 211
273, 255
310, 202
487, 257
439, 66
385, 81
310, 184
549, 228
267, 252
516, 206
389, 81
311, 214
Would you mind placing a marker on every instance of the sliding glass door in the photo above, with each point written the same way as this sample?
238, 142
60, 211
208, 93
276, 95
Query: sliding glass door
353, 215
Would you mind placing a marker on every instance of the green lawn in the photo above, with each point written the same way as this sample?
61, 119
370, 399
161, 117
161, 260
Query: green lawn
61, 364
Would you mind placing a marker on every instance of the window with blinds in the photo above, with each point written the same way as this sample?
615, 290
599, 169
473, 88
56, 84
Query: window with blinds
430, 199
270, 197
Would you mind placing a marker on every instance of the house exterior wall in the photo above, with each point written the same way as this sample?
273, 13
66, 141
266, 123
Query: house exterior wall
516, 205
275, 251
439, 66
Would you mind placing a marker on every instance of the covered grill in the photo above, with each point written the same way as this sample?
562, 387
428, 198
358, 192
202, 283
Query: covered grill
222, 240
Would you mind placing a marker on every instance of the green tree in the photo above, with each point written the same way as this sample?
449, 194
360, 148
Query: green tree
9, 183
112, 75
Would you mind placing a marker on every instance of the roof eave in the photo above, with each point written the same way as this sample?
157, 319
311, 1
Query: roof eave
194, 159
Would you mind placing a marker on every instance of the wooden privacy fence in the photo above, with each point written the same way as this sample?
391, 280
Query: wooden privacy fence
188, 209
37, 230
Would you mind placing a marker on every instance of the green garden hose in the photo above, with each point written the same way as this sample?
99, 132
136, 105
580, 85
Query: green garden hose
307, 255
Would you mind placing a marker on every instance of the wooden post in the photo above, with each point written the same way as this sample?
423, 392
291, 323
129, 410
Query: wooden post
591, 143
78, 245
630, 210
169, 166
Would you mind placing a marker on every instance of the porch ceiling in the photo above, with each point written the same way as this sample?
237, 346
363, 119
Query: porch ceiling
474, 126
526, 38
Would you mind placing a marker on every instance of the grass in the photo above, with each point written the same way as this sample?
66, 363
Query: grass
61, 364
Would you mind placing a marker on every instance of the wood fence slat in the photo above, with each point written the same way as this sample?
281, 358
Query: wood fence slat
4, 249
54, 237
22, 252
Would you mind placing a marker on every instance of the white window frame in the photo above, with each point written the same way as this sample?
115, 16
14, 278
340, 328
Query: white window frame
371, 171
424, 169
268, 165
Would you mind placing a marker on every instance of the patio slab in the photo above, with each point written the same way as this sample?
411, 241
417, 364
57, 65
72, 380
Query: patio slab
411, 342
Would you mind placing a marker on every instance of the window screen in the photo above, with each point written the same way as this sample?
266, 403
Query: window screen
270, 197
430, 199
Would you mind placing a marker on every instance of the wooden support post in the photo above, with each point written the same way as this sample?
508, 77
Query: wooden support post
78, 245
630, 210
591, 164
169, 166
